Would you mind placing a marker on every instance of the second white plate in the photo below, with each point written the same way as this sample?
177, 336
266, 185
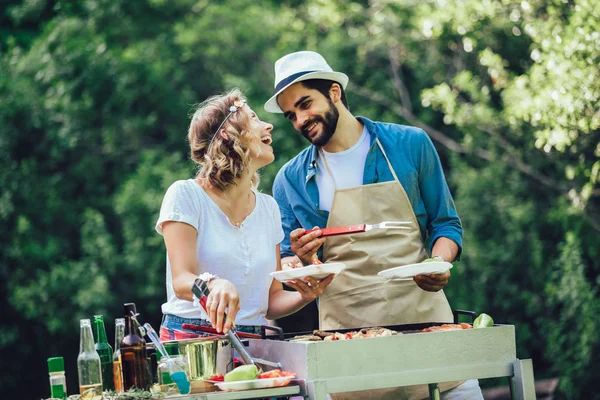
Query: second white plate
254, 383
318, 271
409, 271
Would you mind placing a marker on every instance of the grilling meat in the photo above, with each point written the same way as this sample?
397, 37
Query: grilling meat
321, 334
329, 336
447, 327
306, 338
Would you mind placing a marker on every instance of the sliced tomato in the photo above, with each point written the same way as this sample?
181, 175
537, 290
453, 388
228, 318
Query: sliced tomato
270, 374
276, 373
217, 378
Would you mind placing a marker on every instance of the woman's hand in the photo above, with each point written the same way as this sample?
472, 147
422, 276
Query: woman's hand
223, 298
310, 288
306, 246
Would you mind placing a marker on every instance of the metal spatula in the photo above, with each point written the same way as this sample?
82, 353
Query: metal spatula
343, 230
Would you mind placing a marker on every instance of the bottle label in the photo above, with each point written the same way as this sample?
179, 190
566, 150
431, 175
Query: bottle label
58, 391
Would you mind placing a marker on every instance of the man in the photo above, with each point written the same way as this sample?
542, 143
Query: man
360, 171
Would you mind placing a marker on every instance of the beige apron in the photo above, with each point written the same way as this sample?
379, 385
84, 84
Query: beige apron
358, 297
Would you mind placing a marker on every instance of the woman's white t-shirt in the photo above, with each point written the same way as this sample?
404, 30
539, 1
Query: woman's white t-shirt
244, 256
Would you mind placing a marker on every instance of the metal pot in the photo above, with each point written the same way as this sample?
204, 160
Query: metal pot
206, 356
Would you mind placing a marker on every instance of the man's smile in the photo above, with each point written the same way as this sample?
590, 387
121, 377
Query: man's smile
309, 129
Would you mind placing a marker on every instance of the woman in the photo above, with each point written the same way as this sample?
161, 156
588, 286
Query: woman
219, 227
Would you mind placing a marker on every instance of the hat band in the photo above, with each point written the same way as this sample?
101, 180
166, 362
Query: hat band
284, 82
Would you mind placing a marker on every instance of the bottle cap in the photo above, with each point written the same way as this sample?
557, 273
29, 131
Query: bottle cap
56, 364
128, 308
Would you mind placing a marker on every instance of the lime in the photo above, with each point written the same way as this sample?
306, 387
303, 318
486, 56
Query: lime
430, 260
242, 373
483, 321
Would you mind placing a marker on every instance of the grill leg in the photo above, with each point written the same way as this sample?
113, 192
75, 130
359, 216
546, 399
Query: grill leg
522, 383
434, 391
316, 390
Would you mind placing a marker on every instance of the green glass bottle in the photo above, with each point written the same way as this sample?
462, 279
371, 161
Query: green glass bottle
105, 352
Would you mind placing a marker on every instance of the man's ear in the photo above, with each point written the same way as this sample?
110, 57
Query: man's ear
335, 92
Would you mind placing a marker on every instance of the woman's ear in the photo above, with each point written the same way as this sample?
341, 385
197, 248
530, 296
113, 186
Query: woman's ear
224, 134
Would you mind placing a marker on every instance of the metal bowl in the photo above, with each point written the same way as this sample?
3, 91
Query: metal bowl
206, 356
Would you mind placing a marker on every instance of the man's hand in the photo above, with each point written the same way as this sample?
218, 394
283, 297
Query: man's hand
223, 296
306, 246
432, 282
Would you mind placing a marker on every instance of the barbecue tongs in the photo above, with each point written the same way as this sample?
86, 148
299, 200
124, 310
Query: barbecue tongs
343, 230
200, 289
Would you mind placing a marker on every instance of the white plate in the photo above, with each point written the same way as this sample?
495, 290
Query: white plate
318, 271
408, 271
254, 383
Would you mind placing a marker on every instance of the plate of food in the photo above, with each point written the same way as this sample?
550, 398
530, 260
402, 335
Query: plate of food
297, 270
269, 379
411, 270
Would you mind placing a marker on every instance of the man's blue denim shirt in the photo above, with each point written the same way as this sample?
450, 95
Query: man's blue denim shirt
415, 162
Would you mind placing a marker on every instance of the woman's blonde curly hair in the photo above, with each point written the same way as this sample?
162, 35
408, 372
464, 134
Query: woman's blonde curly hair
228, 156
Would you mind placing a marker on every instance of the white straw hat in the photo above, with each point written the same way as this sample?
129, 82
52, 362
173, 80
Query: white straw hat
301, 66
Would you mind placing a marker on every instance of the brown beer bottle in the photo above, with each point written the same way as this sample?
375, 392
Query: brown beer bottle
133, 353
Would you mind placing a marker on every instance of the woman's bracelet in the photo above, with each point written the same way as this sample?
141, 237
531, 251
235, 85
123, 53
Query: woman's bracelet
206, 277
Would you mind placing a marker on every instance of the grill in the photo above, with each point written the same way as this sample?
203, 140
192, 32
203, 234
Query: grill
405, 359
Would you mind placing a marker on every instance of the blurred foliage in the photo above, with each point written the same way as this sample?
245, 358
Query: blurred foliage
96, 97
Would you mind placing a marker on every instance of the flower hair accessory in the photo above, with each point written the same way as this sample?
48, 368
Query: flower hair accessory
237, 104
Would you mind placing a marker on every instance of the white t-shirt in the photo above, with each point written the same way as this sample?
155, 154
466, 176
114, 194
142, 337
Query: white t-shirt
244, 256
346, 166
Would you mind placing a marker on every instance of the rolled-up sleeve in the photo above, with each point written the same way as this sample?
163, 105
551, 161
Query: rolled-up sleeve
288, 219
443, 220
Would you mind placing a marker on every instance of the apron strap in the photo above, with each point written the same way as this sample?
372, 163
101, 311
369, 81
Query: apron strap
387, 159
322, 154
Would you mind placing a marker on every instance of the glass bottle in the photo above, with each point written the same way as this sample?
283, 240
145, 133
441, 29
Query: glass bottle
151, 363
164, 370
133, 353
117, 366
105, 352
58, 383
88, 364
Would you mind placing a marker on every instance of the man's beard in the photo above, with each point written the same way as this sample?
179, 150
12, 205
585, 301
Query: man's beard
328, 123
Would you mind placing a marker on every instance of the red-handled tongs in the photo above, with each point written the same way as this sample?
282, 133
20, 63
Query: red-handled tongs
343, 230
211, 330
